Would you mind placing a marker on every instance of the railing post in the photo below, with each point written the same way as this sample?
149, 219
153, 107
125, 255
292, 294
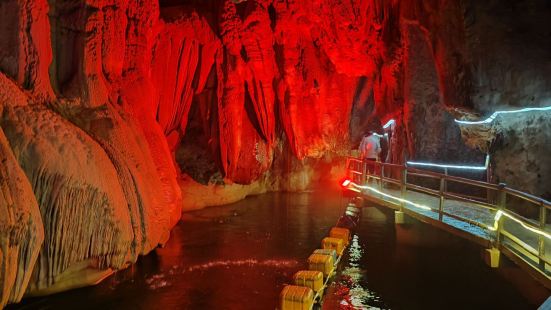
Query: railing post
501, 206
441, 202
381, 176
488, 179
446, 174
364, 173
541, 241
403, 186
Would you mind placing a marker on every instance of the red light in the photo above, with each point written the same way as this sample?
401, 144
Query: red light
345, 183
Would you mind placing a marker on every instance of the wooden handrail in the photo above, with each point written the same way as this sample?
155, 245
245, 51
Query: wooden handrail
431, 174
465, 199
472, 182
416, 173
422, 189
424, 173
500, 205
528, 197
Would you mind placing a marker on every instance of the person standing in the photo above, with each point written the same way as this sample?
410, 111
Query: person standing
370, 147
370, 150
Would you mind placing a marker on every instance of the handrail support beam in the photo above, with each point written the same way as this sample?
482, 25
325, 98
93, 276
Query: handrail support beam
441, 201
541, 238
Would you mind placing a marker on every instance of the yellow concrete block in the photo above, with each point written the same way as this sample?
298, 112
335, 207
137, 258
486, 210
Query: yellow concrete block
399, 217
329, 252
491, 257
340, 233
309, 278
322, 263
296, 298
333, 243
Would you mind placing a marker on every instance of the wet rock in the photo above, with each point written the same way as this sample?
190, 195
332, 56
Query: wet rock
21, 228
96, 97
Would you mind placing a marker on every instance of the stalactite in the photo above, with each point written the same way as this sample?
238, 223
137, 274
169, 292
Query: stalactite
25, 53
244, 153
315, 100
257, 39
95, 97
184, 53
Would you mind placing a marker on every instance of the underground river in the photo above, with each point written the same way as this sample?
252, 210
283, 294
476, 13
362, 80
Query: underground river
239, 256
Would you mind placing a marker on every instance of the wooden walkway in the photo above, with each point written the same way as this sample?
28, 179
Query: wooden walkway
521, 239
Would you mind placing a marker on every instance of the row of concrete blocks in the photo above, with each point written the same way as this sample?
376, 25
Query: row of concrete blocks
309, 285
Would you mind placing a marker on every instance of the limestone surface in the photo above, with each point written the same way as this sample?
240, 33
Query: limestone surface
109, 107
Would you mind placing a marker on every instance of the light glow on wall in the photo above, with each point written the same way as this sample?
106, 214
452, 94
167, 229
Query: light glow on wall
413, 163
389, 123
493, 116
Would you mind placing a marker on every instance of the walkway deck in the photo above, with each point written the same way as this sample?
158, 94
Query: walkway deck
523, 240
461, 209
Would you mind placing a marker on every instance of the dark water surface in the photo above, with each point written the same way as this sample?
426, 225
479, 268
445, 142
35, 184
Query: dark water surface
239, 256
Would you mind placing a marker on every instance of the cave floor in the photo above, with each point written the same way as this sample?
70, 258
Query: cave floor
239, 256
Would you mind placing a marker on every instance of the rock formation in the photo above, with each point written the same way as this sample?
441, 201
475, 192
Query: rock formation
21, 229
109, 109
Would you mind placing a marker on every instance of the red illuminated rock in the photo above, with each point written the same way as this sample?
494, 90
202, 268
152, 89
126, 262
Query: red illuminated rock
102, 171
25, 48
244, 149
184, 56
258, 41
315, 100
96, 96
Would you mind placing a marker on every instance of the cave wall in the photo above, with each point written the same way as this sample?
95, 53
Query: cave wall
341, 69
480, 57
510, 65
120, 106
94, 185
316, 75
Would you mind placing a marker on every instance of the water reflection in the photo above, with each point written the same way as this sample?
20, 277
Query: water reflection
239, 257
350, 289
359, 296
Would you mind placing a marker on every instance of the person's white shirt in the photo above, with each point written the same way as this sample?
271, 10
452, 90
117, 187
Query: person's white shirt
370, 147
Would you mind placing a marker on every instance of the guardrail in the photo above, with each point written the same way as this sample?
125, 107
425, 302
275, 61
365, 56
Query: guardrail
519, 227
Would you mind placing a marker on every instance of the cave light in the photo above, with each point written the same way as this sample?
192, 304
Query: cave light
493, 116
423, 207
499, 213
413, 163
389, 123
